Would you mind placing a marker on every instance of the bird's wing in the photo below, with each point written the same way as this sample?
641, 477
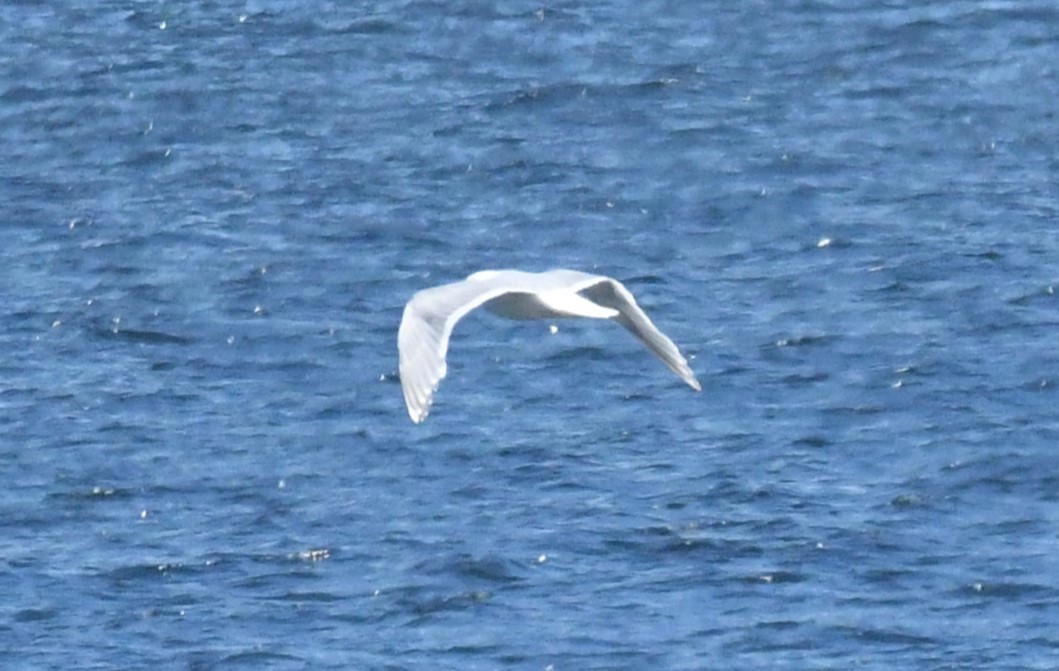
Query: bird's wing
613, 294
423, 338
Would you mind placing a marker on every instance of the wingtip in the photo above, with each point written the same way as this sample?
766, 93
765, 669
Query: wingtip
417, 416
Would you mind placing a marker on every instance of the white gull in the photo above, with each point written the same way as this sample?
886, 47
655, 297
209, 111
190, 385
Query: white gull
431, 314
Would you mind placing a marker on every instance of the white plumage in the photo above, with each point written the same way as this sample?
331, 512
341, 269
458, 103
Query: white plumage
431, 314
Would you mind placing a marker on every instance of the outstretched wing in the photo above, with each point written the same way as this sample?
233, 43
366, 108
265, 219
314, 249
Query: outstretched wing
613, 294
423, 338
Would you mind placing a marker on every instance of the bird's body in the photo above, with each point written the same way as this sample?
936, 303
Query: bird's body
431, 314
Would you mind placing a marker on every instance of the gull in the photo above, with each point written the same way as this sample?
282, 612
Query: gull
431, 314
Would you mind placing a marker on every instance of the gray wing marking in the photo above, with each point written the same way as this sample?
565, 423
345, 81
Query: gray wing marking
613, 294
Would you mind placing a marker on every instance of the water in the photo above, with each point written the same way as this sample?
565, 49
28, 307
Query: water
844, 212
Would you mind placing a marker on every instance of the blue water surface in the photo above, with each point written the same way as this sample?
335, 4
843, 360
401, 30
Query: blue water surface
845, 213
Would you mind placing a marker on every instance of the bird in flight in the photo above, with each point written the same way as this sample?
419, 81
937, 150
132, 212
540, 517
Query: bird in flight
431, 314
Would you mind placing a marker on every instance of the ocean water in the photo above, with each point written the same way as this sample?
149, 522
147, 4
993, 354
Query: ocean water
845, 213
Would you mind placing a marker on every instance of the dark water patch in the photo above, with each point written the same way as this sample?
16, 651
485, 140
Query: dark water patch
370, 25
422, 604
147, 337
580, 352
307, 597
563, 93
257, 659
492, 570
139, 574
908, 501
708, 543
812, 441
805, 379
801, 341
36, 614
25, 94
1027, 593
884, 636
